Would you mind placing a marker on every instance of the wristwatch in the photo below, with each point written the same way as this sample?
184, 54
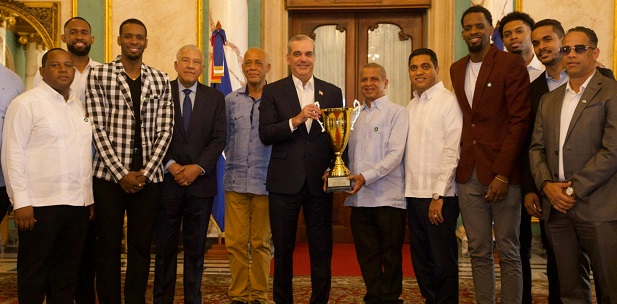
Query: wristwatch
570, 191
436, 196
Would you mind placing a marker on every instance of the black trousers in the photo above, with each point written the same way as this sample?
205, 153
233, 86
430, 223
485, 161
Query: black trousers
111, 203
525, 241
85, 293
434, 250
49, 255
378, 234
4, 203
284, 213
177, 208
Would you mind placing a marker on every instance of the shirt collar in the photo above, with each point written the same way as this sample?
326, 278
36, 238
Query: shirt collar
428, 94
535, 64
583, 86
562, 76
181, 87
49, 90
377, 103
298, 83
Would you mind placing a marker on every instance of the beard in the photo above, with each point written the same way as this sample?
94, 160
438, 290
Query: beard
77, 52
475, 48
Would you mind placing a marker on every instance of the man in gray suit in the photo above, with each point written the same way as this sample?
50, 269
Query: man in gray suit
573, 158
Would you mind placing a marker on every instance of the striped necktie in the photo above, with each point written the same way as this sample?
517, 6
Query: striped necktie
187, 109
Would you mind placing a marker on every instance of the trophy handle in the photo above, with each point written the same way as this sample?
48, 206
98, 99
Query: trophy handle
323, 129
356, 111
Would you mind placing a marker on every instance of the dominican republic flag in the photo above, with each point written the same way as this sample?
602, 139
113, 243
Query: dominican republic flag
220, 81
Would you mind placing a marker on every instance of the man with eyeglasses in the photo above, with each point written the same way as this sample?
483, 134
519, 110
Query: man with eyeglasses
573, 158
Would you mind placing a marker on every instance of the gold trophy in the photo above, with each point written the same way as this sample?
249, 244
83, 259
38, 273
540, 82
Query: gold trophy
338, 124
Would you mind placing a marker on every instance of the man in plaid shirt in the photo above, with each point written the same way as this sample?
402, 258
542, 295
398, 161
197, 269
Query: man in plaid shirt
131, 139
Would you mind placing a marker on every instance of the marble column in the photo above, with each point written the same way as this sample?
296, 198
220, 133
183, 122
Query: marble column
32, 63
233, 16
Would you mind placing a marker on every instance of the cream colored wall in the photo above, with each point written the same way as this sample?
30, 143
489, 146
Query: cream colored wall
170, 26
598, 15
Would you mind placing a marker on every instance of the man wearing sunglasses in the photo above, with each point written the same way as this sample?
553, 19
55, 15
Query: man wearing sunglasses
573, 158
546, 40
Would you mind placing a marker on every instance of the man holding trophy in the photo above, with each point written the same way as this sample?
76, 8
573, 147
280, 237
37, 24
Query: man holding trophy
378, 214
300, 156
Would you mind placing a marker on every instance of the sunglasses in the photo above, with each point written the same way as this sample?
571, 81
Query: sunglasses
579, 49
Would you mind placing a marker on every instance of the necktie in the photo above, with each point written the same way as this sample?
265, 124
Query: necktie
187, 109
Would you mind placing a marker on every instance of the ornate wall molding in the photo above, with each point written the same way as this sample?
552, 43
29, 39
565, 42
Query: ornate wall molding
43, 17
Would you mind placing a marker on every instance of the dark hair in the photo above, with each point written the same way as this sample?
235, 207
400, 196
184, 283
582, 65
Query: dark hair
591, 35
78, 18
557, 28
513, 16
424, 51
478, 9
133, 21
44, 59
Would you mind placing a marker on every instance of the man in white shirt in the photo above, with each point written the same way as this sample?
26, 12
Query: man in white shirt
78, 38
435, 124
376, 149
47, 164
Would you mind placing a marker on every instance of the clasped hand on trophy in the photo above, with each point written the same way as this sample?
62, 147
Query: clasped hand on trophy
309, 111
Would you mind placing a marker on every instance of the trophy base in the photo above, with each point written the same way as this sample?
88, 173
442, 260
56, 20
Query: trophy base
338, 184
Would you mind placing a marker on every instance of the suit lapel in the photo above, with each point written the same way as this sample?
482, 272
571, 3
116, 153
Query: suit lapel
199, 109
291, 95
175, 93
459, 82
145, 88
125, 90
482, 81
590, 91
557, 105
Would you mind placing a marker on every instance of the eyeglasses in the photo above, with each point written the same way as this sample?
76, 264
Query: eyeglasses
579, 49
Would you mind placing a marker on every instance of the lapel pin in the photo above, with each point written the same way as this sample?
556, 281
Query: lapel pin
489, 85
320, 92
584, 101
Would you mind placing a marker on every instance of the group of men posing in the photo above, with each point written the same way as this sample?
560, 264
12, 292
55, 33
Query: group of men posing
157, 142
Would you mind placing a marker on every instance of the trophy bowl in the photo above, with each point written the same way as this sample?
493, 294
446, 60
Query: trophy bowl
338, 124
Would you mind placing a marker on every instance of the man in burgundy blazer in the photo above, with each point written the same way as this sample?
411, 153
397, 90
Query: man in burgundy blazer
492, 88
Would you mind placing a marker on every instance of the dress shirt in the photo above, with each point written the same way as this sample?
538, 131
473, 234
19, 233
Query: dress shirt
247, 158
306, 96
376, 149
433, 144
46, 155
535, 68
10, 86
181, 89
80, 82
570, 101
554, 83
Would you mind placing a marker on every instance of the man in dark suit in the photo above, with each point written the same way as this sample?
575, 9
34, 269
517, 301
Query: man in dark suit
189, 185
492, 88
546, 40
300, 156
573, 158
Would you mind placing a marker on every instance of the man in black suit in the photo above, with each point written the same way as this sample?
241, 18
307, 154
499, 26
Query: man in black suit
300, 156
189, 185
546, 39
